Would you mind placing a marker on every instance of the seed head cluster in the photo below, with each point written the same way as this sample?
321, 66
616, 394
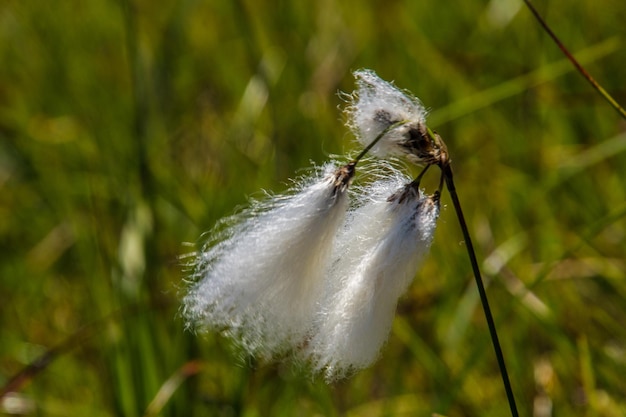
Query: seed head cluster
316, 272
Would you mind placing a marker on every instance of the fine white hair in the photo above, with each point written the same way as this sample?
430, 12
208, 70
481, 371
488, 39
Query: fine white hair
259, 279
378, 104
303, 272
377, 256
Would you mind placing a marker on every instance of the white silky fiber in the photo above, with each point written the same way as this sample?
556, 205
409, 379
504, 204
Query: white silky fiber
376, 258
378, 104
304, 275
260, 278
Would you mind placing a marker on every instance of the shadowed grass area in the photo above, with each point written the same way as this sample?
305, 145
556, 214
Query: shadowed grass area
127, 128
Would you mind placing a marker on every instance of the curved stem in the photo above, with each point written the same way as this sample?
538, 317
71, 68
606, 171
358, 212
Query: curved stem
378, 138
447, 174
418, 179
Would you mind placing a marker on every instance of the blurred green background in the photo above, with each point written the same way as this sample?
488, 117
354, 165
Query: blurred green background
129, 127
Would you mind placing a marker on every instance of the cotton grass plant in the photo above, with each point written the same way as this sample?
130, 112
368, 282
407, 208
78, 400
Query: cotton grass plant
288, 273
309, 274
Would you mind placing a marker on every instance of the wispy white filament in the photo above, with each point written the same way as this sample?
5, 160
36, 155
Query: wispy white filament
259, 280
376, 105
377, 257
287, 275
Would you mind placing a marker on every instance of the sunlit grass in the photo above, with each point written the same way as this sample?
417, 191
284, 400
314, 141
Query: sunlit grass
112, 155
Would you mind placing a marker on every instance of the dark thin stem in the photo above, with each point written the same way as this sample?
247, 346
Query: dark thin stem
378, 138
576, 64
447, 173
26, 374
41, 363
418, 179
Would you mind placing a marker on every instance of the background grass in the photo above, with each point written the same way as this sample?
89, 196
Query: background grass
129, 127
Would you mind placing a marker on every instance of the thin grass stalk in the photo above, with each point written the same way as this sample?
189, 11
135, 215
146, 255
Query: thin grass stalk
447, 174
573, 60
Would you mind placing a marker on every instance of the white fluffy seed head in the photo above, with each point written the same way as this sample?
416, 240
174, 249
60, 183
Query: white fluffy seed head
278, 277
378, 104
259, 279
376, 257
